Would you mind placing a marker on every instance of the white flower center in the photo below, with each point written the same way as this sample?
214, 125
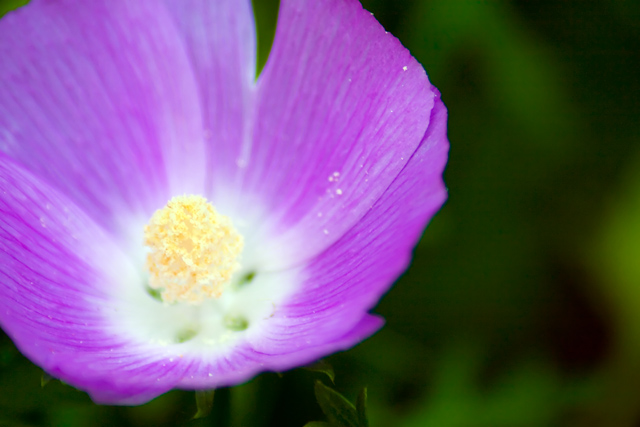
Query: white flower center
194, 250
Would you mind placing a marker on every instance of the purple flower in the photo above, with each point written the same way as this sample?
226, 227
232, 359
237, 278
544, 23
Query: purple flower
118, 119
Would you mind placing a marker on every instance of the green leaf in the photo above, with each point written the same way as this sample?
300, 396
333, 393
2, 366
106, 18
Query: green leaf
9, 5
361, 408
336, 408
266, 16
323, 367
319, 424
204, 402
45, 379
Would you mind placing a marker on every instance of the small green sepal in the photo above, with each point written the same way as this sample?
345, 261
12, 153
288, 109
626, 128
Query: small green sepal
45, 379
338, 410
204, 403
361, 408
320, 424
323, 367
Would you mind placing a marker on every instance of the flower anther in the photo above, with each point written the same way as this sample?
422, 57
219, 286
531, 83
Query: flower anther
194, 250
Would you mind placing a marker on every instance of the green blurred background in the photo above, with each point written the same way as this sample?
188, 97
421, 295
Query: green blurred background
522, 306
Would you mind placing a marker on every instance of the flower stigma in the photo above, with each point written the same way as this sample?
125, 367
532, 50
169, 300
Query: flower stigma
193, 250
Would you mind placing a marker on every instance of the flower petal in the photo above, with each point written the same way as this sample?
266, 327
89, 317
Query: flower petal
65, 289
346, 280
66, 293
100, 100
221, 44
341, 107
367, 326
245, 361
54, 297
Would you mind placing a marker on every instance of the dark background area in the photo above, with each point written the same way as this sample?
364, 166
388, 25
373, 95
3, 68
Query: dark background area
522, 306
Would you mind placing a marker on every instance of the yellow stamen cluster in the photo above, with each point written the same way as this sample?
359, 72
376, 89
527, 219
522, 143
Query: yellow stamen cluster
193, 250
